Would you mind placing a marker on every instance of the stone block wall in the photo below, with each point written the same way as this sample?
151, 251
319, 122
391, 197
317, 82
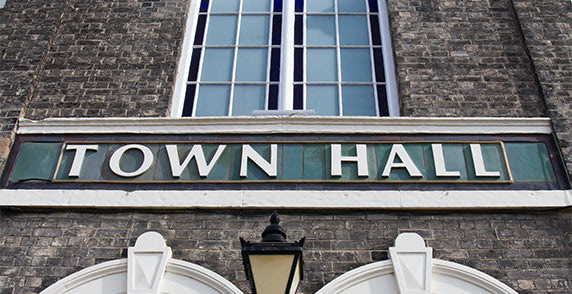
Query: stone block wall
529, 251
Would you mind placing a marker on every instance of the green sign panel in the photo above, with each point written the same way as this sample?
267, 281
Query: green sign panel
414, 162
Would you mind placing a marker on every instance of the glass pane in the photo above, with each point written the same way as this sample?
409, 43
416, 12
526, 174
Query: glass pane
358, 100
254, 30
248, 98
213, 100
321, 30
323, 99
353, 30
256, 5
320, 6
356, 65
251, 64
222, 30
225, 6
217, 64
321, 65
351, 6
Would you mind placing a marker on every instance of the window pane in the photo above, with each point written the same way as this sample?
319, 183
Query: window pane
248, 98
217, 64
251, 64
321, 65
323, 99
358, 100
213, 100
225, 5
256, 5
222, 30
254, 30
351, 6
353, 30
356, 65
321, 30
320, 6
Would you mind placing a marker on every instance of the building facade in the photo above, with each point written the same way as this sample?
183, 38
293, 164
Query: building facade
486, 79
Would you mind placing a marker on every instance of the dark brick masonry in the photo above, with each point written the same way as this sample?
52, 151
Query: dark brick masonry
527, 250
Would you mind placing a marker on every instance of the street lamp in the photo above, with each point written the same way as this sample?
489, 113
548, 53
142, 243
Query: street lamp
273, 266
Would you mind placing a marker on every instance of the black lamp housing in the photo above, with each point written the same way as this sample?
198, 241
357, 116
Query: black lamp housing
263, 258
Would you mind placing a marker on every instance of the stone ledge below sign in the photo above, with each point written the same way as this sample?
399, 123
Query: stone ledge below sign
288, 199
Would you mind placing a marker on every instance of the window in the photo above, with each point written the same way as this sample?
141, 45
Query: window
330, 56
2, 3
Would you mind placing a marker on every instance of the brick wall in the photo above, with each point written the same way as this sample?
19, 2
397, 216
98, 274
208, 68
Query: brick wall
26, 30
461, 58
87, 58
547, 32
529, 251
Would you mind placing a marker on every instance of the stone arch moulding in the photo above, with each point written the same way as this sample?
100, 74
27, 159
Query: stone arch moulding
412, 270
148, 269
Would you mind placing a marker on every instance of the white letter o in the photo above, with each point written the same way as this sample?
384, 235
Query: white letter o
116, 157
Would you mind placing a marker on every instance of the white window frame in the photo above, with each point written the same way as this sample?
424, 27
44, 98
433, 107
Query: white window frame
2, 3
286, 92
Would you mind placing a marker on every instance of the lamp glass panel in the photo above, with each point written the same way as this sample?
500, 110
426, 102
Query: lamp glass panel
271, 272
296, 278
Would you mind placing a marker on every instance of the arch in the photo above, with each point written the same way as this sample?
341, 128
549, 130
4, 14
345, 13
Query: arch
408, 272
149, 268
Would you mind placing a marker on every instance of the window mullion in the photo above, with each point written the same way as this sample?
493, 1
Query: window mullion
339, 60
234, 61
286, 97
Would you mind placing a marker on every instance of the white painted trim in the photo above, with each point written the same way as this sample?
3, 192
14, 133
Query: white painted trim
287, 125
441, 267
175, 266
239, 199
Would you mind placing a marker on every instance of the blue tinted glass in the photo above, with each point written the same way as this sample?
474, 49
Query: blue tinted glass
254, 30
204, 5
251, 64
321, 30
372, 5
222, 30
298, 30
351, 6
200, 32
382, 100
217, 64
275, 64
356, 65
375, 34
379, 69
277, 29
248, 98
358, 100
299, 5
195, 61
353, 30
213, 100
255, 5
189, 100
225, 6
322, 99
277, 5
320, 6
321, 65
